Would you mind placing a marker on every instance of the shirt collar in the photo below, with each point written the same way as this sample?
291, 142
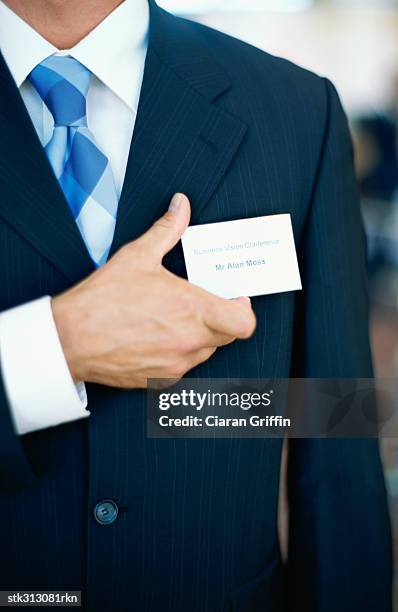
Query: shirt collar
113, 51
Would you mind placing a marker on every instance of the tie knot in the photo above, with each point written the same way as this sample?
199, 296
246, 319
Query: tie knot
62, 83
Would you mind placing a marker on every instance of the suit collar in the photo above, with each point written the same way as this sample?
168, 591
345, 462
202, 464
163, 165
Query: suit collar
179, 45
183, 141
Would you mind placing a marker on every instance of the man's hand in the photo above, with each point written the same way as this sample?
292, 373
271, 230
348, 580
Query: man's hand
132, 319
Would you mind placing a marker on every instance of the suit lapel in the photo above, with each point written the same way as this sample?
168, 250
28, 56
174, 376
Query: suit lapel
182, 140
31, 199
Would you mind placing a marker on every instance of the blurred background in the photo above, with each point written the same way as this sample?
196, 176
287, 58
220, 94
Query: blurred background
355, 44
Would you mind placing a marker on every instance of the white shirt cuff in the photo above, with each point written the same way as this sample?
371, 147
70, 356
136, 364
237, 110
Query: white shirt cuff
37, 381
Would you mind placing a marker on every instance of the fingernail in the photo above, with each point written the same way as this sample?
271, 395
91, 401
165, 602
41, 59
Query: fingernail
175, 203
244, 297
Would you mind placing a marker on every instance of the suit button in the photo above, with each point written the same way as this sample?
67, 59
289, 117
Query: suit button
106, 511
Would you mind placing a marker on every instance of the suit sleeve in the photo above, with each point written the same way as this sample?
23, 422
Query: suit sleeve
37, 390
339, 531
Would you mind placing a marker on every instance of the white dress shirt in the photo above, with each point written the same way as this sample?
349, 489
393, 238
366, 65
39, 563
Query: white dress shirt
39, 386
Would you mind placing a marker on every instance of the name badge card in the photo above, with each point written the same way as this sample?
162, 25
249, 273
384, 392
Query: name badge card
246, 257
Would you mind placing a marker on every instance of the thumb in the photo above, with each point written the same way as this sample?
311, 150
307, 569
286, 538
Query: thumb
166, 231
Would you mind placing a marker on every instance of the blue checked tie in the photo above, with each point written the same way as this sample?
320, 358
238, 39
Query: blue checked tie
81, 168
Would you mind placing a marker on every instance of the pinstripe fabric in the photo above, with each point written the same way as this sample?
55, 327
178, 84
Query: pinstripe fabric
196, 531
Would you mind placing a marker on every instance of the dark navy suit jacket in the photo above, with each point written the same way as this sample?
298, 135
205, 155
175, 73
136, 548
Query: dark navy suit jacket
243, 134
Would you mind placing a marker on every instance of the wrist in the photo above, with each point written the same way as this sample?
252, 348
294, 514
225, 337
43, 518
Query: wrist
66, 322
